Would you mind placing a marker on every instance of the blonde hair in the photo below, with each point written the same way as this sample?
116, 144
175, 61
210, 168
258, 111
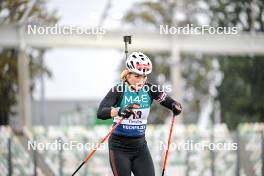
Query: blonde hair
124, 74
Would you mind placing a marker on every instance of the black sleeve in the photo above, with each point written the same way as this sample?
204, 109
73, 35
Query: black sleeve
160, 96
110, 100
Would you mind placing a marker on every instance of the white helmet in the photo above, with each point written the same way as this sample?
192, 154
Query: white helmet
139, 63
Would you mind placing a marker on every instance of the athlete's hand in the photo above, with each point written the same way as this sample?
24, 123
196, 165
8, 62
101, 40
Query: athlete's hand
176, 108
127, 111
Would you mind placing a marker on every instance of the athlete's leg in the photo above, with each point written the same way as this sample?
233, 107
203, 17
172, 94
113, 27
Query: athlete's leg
120, 163
142, 164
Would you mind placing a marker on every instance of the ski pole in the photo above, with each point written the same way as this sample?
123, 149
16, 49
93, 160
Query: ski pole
98, 145
168, 146
136, 106
127, 40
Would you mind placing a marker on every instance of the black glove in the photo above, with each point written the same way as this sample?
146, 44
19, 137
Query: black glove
127, 111
176, 108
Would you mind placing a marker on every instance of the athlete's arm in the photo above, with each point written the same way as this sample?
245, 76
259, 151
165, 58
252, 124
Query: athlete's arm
106, 110
164, 99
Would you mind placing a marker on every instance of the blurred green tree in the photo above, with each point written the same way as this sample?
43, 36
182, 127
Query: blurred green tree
12, 11
241, 92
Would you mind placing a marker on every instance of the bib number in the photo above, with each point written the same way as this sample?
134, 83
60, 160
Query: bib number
138, 116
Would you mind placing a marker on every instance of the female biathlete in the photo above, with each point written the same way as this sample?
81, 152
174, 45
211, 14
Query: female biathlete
131, 99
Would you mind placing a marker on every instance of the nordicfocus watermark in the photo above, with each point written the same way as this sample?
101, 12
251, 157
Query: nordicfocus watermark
60, 145
190, 29
199, 146
64, 30
152, 88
